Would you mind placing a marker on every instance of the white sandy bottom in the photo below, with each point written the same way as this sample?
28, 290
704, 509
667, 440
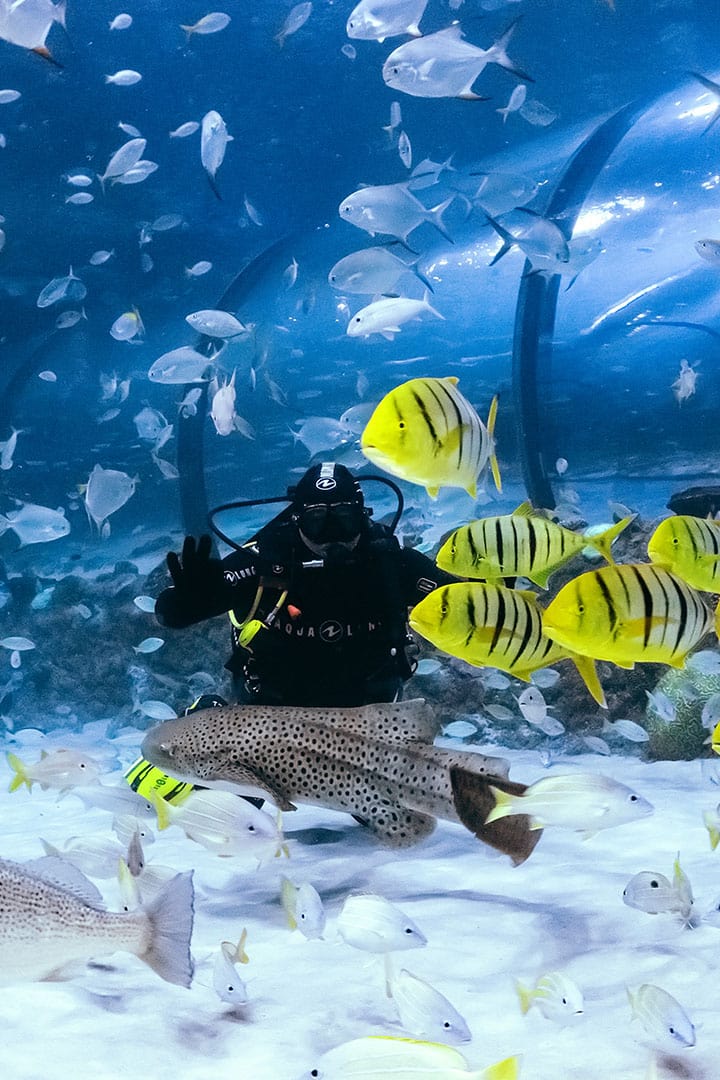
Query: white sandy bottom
486, 922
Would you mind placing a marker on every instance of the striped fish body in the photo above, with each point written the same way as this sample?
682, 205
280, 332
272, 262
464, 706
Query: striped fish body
637, 613
518, 544
492, 626
426, 432
689, 547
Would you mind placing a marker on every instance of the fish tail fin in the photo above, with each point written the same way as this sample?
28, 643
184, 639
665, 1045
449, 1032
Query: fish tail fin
435, 216
162, 809
59, 13
497, 53
712, 828
525, 996
188, 32
476, 800
5, 524
507, 1069
170, 916
494, 467
588, 673
431, 309
214, 188
20, 770
603, 540
46, 55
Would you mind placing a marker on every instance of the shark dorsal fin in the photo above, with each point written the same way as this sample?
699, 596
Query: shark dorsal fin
395, 722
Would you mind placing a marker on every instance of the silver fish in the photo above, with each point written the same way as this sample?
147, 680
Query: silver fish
182, 365
373, 270
296, 18
375, 20
213, 141
34, 524
51, 915
376, 762
391, 209
445, 65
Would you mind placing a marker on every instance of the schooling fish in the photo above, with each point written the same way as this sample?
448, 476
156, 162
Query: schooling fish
392, 210
689, 547
654, 893
424, 1011
34, 524
445, 65
426, 432
661, 1015
491, 626
388, 315
51, 916
213, 141
375, 20
636, 613
377, 1057
61, 769
584, 802
523, 543
376, 762
372, 270
555, 995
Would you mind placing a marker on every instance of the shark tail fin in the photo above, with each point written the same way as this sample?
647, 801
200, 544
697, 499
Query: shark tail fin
474, 800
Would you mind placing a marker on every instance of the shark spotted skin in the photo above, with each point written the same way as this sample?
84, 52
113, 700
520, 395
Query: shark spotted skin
376, 762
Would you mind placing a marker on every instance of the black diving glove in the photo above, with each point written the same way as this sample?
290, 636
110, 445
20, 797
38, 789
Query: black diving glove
199, 589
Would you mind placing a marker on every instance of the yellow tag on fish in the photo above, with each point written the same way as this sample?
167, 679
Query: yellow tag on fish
148, 781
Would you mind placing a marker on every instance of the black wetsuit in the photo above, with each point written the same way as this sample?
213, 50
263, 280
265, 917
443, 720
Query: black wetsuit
340, 635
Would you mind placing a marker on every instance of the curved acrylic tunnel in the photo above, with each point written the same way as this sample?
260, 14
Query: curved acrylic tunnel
567, 353
632, 198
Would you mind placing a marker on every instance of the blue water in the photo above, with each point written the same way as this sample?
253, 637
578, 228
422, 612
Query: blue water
307, 123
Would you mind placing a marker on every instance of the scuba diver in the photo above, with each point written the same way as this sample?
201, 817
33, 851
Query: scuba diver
318, 599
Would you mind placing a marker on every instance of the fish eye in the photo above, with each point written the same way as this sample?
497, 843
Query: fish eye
408, 930
401, 424
654, 884
564, 1001
314, 1072
633, 798
251, 828
581, 609
447, 1025
357, 319
394, 70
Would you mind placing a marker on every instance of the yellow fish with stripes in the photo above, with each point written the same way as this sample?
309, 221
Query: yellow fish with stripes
523, 543
491, 626
426, 432
690, 547
636, 613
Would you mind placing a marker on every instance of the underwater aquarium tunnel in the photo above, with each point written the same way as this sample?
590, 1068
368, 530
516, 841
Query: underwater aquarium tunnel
566, 343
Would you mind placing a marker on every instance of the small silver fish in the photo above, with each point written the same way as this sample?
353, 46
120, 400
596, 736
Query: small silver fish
303, 908
392, 210
296, 18
555, 995
425, 1012
179, 366
375, 20
371, 923
663, 1018
126, 77
208, 24
213, 142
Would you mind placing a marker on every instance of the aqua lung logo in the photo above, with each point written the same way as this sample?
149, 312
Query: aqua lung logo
325, 483
330, 630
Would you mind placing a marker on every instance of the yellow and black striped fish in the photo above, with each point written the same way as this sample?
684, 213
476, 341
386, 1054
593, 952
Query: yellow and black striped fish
519, 544
491, 626
426, 432
637, 613
690, 547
